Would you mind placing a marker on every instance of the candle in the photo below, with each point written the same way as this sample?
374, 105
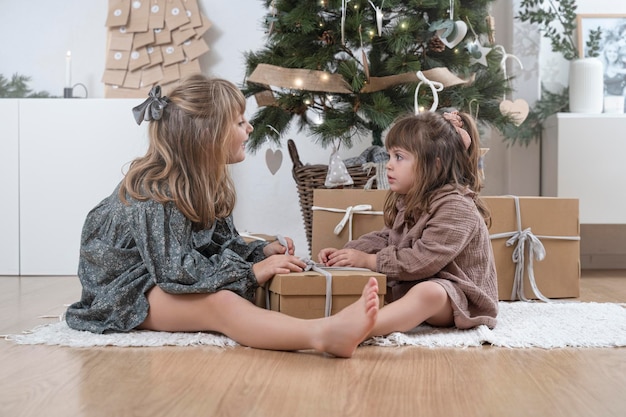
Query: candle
68, 70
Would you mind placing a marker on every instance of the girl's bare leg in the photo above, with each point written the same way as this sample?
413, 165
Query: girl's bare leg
425, 302
249, 325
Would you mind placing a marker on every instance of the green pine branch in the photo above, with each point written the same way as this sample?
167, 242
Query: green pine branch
17, 87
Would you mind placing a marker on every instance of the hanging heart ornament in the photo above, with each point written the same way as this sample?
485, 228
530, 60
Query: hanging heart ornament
274, 160
516, 110
454, 34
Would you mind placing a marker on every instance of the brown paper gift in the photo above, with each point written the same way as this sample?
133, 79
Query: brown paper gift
304, 294
343, 215
523, 229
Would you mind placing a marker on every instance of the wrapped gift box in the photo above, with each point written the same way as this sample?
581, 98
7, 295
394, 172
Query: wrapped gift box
360, 212
303, 294
554, 222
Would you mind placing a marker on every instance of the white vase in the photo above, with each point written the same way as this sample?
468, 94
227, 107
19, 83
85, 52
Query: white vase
586, 85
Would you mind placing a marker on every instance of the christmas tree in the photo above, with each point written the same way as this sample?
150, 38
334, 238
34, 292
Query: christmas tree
343, 70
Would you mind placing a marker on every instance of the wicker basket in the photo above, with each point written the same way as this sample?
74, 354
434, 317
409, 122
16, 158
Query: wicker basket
310, 177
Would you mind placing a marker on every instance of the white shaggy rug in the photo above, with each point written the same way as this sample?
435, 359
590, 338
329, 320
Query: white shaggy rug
520, 325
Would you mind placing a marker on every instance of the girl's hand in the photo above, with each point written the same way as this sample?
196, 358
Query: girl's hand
324, 255
276, 264
351, 257
275, 248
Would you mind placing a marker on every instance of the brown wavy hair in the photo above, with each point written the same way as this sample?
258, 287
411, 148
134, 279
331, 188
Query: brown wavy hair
441, 159
187, 156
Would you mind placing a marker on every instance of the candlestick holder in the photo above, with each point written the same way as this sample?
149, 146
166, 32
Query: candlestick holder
68, 92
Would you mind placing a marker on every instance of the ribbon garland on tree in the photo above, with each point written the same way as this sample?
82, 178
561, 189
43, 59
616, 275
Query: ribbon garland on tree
311, 80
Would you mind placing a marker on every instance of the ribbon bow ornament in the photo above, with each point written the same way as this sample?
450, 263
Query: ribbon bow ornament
537, 251
435, 86
152, 107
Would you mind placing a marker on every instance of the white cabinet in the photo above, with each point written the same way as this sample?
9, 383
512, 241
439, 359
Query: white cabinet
9, 188
67, 156
584, 156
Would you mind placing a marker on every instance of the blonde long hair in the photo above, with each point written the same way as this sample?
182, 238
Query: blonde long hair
441, 158
187, 156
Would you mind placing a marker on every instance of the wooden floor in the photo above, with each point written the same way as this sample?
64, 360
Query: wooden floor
49, 381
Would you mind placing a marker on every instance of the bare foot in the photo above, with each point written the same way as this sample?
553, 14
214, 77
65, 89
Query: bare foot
342, 332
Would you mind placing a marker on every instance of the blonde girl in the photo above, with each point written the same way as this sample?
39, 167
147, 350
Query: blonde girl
162, 252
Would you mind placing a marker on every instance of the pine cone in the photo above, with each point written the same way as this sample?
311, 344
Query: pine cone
328, 38
436, 44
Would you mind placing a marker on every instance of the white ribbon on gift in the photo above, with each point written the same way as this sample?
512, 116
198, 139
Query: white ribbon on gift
536, 250
349, 211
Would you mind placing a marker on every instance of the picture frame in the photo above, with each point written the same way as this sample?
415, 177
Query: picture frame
612, 49
613, 26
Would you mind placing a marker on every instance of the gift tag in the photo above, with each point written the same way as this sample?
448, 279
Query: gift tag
143, 39
156, 20
206, 25
172, 54
119, 40
181, 35
516, 110
162, 36
189, 67
155, 55
138, 59
193, 13
139, 15
151, 75
171, 73
119, 10
175, 14
114, 77
194, 48
132, 80
274, 160
117, 60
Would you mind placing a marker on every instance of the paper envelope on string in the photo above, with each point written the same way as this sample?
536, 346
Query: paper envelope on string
119, 11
